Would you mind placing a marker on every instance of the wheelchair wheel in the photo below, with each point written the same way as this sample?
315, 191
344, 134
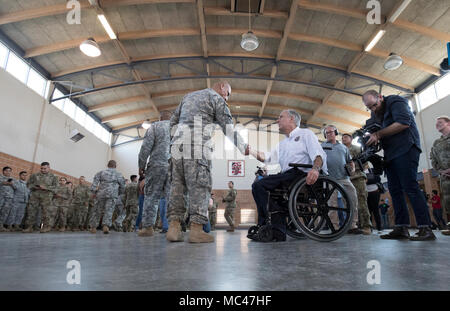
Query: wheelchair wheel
312, 207
292, 230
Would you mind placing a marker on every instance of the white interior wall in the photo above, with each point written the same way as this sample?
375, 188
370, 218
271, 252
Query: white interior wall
20, 113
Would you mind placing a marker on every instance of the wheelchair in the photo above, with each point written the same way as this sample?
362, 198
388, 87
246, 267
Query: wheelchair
308, 209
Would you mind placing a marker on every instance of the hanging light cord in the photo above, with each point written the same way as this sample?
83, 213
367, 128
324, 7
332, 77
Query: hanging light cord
249, 18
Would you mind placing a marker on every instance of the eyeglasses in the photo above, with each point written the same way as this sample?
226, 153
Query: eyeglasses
374, 105
329, 132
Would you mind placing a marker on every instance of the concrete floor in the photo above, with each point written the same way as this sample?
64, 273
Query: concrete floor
123, 261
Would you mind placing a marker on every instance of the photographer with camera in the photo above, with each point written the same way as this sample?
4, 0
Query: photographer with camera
358, 179
400, 140
338, 157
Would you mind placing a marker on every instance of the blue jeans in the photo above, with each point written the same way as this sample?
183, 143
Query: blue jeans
162, 214
385, 221
402, 178
141, 206
207, 227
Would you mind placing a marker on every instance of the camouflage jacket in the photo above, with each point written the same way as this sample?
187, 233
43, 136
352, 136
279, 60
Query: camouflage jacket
203, 109
354, 152
131, 194
230, 199
62, 197
440, 153
213, 208
156, 145
81, 195
22, 193
7, 191
108, 183
48, 180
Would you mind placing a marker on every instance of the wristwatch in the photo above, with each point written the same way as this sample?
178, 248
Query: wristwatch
316, 168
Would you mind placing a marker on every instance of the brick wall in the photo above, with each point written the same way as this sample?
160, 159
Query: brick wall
244, 200
19, 165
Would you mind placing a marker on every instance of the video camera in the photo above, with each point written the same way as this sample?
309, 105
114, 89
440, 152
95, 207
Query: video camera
368, 153
260, 171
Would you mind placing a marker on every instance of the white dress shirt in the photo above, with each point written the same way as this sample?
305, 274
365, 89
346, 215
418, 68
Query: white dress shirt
301, 147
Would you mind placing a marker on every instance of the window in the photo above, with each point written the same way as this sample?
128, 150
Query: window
229, 144
106, 136
60, 103
97, 131
36, 82
427, 97
80, 116
89, 123
3, 55
17, 67
69, 108
220, 216
443, 86
248, 216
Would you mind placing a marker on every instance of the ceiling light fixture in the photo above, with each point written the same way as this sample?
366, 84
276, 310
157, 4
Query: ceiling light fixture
393, 62
146, 124
249, 41
90, 48
375, 40
107, 27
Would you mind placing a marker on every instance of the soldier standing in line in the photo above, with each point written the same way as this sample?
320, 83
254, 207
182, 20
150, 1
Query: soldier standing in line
106, 187
358, 180
440, 159
43, 186
192, 125
212, 210
21, 197
79, 206
120, 212
61, 201
230, 201
155, 148
131, 204
7, 188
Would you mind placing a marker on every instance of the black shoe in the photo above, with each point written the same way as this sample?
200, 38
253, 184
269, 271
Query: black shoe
399, 233
424, 234
355, 231
163, 231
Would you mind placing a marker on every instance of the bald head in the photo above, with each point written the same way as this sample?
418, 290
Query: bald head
112, 164
223, 88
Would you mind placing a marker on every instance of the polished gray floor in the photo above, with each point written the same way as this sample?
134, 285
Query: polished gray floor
123, 261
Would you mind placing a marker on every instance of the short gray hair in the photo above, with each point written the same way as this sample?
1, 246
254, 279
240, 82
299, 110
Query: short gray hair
295, 115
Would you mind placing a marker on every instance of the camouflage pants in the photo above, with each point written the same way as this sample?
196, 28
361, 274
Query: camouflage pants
88, 214
40, 202
121, 213
229, 215
62, 216
103, 206
130, 220
5, 209
352, 196
363, 209
79, 212
445, 194
195, 177
16, 214
155, 186
212, 219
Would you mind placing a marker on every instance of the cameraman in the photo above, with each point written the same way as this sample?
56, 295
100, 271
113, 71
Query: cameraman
400, 140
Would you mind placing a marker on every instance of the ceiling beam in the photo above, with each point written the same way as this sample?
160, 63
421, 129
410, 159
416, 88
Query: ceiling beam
362, 14
126, 114
221, 11
117, 103
280, 50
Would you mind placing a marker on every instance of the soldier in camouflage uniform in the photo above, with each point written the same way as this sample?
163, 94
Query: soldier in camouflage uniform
358, 179
230, 201
120, 213
7, 188
79, 206
21, 197
131, 204
43, 186
155, 148
106, 187
61, 201
212, 210
192, 125
440, 159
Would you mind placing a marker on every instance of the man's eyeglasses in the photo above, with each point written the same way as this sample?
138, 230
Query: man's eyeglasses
370, 107
329, 132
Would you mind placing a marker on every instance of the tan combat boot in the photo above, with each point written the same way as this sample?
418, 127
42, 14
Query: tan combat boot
366, 231
46, 229
62, 229
28, 230
231, 229
17, 228
105, 229
197, 235
174, 233
148, 231
93, 230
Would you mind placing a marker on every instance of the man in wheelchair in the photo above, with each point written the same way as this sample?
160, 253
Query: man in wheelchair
300, 146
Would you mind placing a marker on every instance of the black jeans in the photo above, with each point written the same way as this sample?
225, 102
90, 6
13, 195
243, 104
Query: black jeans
372, 202
260, 190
